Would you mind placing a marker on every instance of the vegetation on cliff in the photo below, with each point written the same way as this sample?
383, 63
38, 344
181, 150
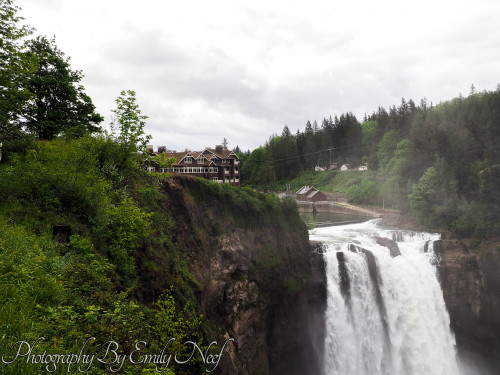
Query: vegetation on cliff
93, 284
120, 275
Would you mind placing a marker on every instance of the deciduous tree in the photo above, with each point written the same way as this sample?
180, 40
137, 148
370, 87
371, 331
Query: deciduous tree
128, 124
59, 104
16, 66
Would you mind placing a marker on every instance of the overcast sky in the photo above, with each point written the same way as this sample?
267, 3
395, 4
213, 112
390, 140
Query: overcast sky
205, 70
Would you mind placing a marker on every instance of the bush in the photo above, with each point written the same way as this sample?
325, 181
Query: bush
366, 192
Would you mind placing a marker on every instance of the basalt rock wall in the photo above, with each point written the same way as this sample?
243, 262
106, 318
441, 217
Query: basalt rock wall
263, 285
470, 278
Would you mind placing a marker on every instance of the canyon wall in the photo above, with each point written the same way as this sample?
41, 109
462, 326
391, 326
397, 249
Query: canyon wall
470, 278
260, 283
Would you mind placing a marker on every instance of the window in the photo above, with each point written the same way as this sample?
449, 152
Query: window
200, 160
151, 169
215, 179
188, 159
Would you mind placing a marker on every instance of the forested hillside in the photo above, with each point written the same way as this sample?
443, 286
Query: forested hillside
439, 162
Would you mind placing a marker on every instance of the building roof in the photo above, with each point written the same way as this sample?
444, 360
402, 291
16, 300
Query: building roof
303, 190
223, 154
208, 154
313, 193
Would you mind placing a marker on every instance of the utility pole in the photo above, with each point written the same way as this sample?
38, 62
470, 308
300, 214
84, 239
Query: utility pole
330, 169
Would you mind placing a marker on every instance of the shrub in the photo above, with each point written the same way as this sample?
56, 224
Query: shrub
366, 192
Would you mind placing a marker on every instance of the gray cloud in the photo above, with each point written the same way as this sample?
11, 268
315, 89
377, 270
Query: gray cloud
201, 76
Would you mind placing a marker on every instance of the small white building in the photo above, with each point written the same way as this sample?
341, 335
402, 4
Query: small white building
345, 167
319, 169
363, 168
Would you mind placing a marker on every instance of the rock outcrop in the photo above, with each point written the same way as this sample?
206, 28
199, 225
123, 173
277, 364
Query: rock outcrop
471, 287
390, 244
262, 285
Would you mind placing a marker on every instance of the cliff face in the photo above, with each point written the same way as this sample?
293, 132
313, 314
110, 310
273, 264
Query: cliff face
263, 285
471, 289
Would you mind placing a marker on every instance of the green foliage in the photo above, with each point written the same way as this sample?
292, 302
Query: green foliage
80, 183
457, 138
17, 66
119, 229
285, 157
128, 125
182, 324
397, 175
248, 208
88, 287
386, 147
59, 104
256, 169
295, 285
340, 181
368, 128
368, 134
424, 193
366, 192
284, 154
163, 161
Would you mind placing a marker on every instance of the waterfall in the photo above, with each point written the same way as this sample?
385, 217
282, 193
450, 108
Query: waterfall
385, 312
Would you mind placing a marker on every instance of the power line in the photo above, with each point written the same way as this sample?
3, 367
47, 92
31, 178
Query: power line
312, 153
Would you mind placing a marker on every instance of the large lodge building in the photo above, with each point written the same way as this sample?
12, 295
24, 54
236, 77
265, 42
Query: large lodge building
216, 164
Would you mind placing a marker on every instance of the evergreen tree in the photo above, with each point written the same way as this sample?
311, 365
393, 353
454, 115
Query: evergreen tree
291, 165
310, 146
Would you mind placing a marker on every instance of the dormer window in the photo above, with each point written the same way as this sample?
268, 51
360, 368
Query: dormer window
188, 159
201, 160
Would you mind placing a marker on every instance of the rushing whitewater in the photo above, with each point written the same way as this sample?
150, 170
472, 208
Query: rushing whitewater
385, 313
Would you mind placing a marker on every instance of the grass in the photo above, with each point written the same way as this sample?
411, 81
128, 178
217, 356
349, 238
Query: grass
328, 181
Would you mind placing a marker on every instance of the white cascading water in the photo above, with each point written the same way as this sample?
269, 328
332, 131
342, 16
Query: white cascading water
385, 315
